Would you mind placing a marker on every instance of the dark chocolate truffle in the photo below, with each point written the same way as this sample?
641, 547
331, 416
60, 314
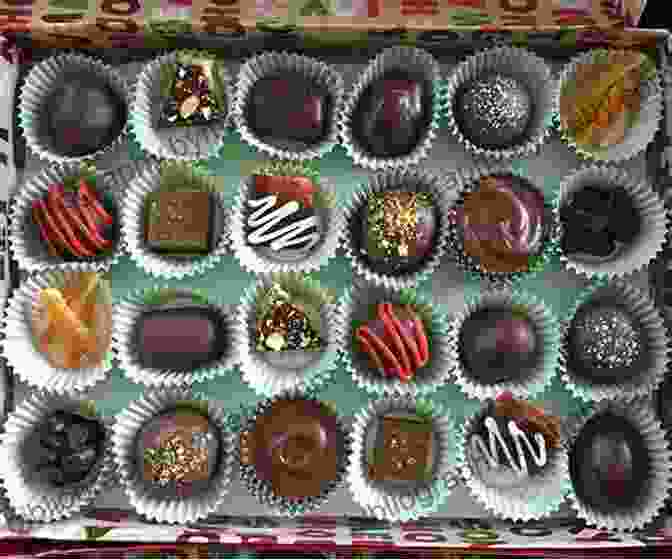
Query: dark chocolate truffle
304, 117
83, 115
605, 343
494, 112
179, 451
609, 464
393, 114
398, 230
497, 345
69, 447
180, 338
598, 222
296, 447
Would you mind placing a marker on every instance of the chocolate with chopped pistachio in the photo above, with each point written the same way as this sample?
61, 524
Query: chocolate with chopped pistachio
399, 229
192, 99
285, 324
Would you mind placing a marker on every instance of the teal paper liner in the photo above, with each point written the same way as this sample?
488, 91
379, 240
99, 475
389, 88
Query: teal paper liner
548, 328
427, 380
646, 381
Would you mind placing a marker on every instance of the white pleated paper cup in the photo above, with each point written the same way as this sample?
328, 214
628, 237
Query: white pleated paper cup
650, 211
271, 64
407, 180
655, 343
642, 417
37, 501
406, 59
133, 222
126, 430
538, 496
532, 71
25, 240
182, 143
468, 180
547, 329
262, 489
127, 313
42, 81
638, 136
402, 502
265, 261
271, 373
20, 349
354, 308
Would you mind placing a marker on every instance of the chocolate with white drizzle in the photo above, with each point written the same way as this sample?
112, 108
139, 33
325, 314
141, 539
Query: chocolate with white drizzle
282, 227
520, 440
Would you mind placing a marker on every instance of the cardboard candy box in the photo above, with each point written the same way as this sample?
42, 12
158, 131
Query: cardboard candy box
31, 28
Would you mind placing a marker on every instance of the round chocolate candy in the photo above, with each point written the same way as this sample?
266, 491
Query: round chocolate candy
609, 464
605, 343
83, 115
398, 230
598, 222
295, 447
392, 115
497, 345
494, 111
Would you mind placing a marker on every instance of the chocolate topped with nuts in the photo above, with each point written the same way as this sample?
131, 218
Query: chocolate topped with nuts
295, 446
399, 229
192, 100
285, 323
179, 451
403, 451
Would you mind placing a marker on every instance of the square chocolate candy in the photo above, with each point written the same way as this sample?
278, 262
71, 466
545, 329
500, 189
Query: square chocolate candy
403, 450
179, 222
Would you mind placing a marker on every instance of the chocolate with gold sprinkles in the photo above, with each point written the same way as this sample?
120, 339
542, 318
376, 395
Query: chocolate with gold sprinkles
179, 451
399, 229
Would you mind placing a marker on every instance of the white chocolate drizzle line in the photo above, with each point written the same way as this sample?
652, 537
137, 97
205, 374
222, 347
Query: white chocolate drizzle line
519, 437
263, 220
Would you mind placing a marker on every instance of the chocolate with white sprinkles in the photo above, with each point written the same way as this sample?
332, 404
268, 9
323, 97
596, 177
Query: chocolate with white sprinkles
605, 343
494, 111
